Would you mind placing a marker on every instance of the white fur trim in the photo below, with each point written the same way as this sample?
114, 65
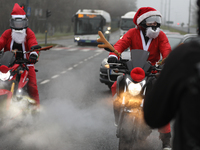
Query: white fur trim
30, 65
148, 14
112, 56
34, 53
18, 16
145, 46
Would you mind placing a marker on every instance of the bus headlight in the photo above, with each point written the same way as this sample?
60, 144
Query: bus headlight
77, 38
107, 32
109, 28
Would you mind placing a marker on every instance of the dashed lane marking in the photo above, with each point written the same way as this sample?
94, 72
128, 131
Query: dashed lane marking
45, 81
72, 49
85, 50
76, 48
70, 68
55, 76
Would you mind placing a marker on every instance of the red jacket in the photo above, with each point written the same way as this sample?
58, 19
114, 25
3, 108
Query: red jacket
6, 41
133, 39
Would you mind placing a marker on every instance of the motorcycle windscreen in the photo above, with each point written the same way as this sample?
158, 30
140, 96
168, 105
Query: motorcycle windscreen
138, 59
7, 58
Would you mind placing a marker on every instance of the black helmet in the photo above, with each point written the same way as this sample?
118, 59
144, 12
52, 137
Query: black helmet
18, 23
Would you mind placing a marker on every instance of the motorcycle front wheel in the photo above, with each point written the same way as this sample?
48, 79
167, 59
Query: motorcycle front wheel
127, 139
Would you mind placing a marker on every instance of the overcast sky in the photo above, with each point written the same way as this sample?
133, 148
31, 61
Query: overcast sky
179, 9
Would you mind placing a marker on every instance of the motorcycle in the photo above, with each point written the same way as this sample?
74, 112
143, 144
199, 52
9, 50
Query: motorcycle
14, 100
130, 94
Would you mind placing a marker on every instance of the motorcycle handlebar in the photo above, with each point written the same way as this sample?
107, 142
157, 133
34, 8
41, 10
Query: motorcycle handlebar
121, 66
26, 61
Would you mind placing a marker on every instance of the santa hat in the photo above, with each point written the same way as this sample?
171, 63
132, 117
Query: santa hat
4, 69
143, 13
18, 12
137, 74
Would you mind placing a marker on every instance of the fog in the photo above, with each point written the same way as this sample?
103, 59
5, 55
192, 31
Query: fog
61, 12
62, 126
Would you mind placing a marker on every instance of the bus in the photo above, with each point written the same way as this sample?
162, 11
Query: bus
126, 22
88, 22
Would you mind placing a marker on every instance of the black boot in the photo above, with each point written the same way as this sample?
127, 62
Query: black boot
165, 138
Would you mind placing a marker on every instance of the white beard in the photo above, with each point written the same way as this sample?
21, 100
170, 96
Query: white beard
151, 33
19, 36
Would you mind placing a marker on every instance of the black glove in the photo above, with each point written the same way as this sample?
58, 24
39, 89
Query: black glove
112, 59
33, 58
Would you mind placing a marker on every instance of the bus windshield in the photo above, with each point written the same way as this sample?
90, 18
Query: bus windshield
88, 25
127, 24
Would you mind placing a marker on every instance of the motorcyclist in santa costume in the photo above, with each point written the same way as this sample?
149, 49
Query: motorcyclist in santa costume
146, 36
22, 38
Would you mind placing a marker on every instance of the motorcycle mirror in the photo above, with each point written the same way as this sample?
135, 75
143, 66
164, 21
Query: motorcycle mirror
35, 47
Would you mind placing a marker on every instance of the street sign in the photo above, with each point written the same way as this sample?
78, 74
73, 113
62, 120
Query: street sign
28, 11
169, 22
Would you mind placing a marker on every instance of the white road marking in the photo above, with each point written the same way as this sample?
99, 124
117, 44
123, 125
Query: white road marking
98, 50
85, 50
70, 68
63, 72
55, 76
45, 81
75, 65
90, 57
73, 49
57, 49
96, 54
70, 46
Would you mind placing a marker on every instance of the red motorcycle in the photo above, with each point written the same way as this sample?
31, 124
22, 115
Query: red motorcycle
14, 100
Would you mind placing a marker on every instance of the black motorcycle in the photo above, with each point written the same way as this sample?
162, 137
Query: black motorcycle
137, 79
129, 98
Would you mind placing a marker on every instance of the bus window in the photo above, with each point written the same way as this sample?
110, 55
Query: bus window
88, 26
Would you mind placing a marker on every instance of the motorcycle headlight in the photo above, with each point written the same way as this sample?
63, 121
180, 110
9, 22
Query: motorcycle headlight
4, 76
134, 88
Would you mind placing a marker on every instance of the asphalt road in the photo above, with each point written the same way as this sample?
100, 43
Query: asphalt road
76, 109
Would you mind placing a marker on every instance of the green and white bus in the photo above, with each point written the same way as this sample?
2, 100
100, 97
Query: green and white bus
88, 22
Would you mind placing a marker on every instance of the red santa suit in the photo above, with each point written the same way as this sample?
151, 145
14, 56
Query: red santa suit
7, 43
134, 39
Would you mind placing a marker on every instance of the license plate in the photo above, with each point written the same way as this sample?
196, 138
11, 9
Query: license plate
110, 72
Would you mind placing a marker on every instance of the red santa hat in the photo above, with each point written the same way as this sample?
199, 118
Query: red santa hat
143, 13
137, 74
18, 12
4, 69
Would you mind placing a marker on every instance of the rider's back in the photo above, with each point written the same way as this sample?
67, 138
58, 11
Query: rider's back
171, 97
